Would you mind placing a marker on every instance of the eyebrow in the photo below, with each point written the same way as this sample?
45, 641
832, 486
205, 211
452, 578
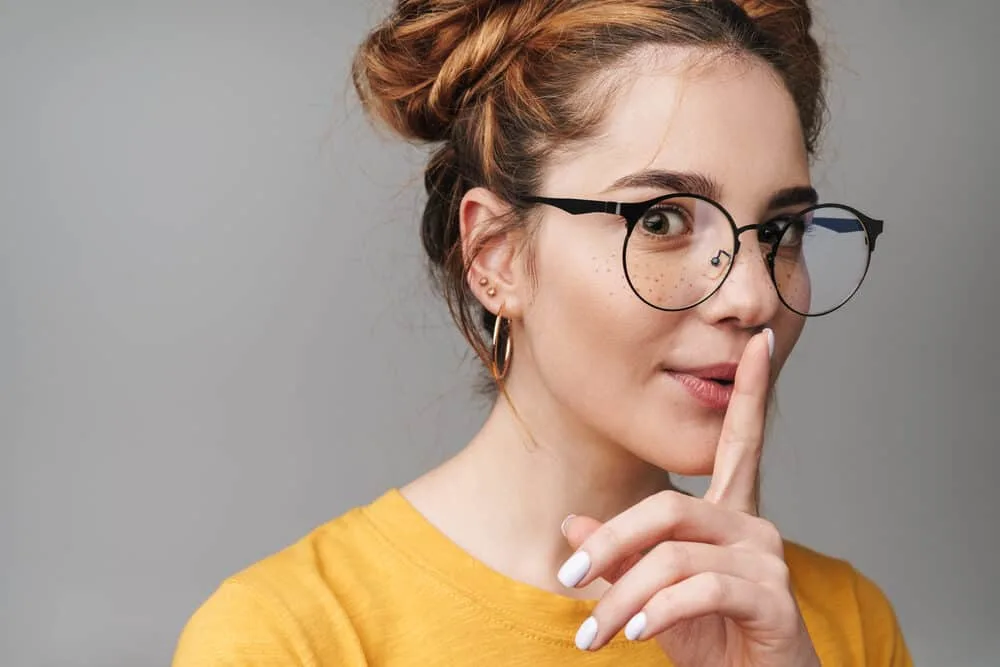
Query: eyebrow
657, 179
706, 186
800, 195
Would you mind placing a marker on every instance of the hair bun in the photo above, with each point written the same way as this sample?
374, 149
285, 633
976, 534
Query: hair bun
430, 58
786, 22
757, 9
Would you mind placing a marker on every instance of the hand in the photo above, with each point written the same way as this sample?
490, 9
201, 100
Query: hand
705, 577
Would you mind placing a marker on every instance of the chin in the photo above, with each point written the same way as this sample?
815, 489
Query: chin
688, 452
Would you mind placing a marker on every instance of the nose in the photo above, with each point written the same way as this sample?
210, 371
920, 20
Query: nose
748, 297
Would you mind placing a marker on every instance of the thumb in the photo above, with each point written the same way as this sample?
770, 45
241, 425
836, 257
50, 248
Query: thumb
577, 529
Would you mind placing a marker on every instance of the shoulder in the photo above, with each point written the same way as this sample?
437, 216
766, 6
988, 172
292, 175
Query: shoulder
840, 601
817, 574
282, 610
810, 568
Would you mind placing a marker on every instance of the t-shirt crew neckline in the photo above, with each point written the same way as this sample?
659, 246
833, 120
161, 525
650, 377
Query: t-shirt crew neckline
531, 611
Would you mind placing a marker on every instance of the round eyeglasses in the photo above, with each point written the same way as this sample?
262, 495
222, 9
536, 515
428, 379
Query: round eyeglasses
680, 248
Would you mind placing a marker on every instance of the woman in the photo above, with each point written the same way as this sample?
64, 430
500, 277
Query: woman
620, 193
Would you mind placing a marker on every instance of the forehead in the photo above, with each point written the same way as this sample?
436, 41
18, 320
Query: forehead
724, 116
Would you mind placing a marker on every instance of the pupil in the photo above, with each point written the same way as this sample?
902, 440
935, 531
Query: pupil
654, 222
769, 233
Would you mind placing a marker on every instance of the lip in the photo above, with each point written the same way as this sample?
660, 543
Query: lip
701, 384
721, 371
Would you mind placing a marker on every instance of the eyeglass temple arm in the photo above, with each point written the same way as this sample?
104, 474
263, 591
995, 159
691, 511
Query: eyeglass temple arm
628, 210
579, 206
842, 226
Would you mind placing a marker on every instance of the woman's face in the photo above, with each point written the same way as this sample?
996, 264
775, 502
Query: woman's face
617, 367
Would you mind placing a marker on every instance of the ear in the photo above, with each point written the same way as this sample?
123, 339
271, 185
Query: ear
496, 276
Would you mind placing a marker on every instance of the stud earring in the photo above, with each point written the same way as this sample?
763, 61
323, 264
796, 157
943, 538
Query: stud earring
492, 291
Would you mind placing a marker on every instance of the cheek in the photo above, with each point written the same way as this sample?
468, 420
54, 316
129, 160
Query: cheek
578, 267
787, 328
795, 282
583, 315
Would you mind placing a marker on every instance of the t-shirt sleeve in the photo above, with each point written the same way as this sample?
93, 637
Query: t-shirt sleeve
240, 626
883, 637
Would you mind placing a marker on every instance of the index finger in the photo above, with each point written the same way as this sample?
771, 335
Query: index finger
737, 458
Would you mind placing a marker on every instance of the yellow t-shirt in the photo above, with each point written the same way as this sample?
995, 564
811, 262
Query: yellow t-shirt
381, 586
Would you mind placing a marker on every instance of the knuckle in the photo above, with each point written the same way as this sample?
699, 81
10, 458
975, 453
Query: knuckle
738, 438
670, 504
715, 588
606, 542
769, 537
778, 572
660, 605
674, 560
786, 609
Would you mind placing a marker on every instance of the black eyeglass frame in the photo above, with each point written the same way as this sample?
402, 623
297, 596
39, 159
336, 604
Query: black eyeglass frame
632, 212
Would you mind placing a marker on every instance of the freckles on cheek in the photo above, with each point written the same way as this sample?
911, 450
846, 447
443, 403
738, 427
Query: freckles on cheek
585, 296
608, 271
606, 315
581, 287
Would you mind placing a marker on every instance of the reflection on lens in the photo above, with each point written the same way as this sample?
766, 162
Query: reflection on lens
679, 252
821, 260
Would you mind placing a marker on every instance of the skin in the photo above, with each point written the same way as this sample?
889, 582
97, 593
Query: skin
606, 424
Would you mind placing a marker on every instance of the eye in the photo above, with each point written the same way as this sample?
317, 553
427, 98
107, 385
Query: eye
788, 229
665, 221
794, 229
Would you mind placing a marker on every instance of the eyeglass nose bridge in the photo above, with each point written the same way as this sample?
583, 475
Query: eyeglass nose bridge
769, 225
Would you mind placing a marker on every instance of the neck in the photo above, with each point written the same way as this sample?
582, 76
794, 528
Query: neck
506, 494
557, 476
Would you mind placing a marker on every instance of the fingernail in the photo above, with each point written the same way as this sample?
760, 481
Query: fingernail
587, 633
770, 342
574, 570
634, 628
565, 524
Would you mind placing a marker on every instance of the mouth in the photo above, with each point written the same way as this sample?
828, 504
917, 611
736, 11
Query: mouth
712, 387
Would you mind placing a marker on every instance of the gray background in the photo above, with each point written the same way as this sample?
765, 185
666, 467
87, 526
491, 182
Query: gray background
216, 332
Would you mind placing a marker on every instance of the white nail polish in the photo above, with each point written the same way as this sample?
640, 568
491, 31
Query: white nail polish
574, 569
565, 522
587, 633
634, 628
770, 342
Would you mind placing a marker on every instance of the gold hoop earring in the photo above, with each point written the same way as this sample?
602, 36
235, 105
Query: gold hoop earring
501, 327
